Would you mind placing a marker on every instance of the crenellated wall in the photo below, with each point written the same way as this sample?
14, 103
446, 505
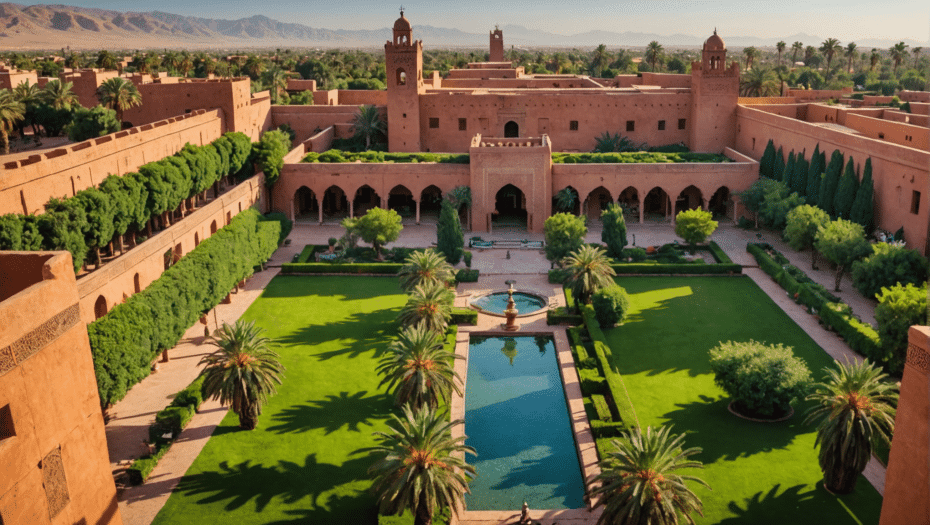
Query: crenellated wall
26, 185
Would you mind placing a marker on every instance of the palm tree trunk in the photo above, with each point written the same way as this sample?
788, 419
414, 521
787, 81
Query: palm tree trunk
423, 516
4, 141
841, 481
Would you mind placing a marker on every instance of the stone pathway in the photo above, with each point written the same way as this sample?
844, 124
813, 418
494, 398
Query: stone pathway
132, 416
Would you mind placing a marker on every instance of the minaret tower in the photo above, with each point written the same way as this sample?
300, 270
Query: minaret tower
497, 46
714, 94
403, 62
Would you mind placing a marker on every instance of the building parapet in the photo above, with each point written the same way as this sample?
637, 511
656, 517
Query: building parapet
510, 142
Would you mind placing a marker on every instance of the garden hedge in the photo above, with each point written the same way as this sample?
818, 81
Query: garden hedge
562, 315
466, 275
465, 316
637, 157
349, 268
126, 340
339, 156
617, 388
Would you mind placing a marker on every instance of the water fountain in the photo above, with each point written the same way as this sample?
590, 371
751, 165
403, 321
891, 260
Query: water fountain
511, 311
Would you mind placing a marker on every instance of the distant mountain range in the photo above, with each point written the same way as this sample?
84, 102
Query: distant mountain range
58, 26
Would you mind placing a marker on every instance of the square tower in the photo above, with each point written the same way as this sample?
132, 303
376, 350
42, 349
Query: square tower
497, 46
403, 62
714, 96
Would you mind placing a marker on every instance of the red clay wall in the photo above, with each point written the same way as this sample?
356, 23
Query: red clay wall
359, 97
26, 185
908, 135
307, 121
56, 469
897, 171
116, 280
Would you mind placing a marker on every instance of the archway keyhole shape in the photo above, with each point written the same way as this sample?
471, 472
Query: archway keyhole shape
511, 130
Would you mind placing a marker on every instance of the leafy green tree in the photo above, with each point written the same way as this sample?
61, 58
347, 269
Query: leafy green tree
846, 191
158, 190
803, 223
640, 483
815, 176
11, 112
778, 172
424, 267
418, 368
60, 95
19, 233
62, 227
566, 200
613, 233
754, 196
429, 304
118, 94
53, 121
588, 271
887, 266
449, 237
369, 125
611, 305
564, 234
242, 372
767, 163
379, 227
30, 96
91, 123
862, 211
422, 467
694, 226
119, 194
276, 80
842, 242
100, 212
777, 202
831, 181
855, 409
899, 308
269, 154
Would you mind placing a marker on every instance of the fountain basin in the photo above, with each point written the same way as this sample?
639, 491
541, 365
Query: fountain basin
495, 303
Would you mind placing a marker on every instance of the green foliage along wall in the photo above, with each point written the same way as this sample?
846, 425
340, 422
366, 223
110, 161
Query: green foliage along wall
126, 340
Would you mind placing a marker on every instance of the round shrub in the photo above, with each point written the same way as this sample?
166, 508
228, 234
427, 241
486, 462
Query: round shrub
637, 254
762, 380
887, 266
611, 305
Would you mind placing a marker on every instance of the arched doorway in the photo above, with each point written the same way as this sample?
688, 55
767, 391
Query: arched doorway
690, 198
511, 129
719, 202
566, 200
400, 199
335, 204
100, 307
430, 204
509, 209
597, 201
305, 204
656, 205
629, 201
365, 199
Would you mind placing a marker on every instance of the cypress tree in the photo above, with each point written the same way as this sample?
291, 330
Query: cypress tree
449, 237
779, 172
767, 164
789, 169
799, 179
846, 191
814, 173
831, 179
862, 212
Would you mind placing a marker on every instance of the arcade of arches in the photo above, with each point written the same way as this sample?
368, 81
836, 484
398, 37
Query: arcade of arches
335, 205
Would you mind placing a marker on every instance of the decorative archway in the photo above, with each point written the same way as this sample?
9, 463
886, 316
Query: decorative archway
597, 201
400, 199
100, 307
655, 203
690, 198
509, 209
306, 204
629, 201
511, 129
719, 204
430, 203
365, 199
335, 204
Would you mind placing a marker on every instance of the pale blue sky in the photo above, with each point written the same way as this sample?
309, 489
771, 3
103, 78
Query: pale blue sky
847, 20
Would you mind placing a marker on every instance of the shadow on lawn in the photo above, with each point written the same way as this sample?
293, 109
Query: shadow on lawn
287, 483
797, 504
357, 334
722, 435
333, 413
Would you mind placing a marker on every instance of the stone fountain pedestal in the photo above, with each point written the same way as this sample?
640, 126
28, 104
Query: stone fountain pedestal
511, 311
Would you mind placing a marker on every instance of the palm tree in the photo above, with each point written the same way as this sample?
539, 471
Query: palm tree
254, 66
11, 112
850, 55
855, 409
758, 83
185, 63
830, 48
898, 54
276, 79
780, 47
795, 49
106, 60
588, 271
119, 94
640, 480
423, 467
59, 94
873, 59
653, 53
751, 54
30, 95
916, 50
424, 267
429, 303
368, 124
243, 372
809, 53
599, 58
419, 369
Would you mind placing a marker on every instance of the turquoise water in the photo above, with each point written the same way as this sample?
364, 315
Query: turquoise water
497, 302
517, 420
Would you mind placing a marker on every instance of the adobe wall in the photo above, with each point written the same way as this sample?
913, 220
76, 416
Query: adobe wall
118, 279
914, 96
26, 185
10, 78
307, 121
920, 108
909, 135
320, 142
818, 94
794, 111
56, 468
907, 479
667, 80
897, 171
298, 85
550, 113
752, 101
907, 118
326, 98
360, 97
522, 82
86, 82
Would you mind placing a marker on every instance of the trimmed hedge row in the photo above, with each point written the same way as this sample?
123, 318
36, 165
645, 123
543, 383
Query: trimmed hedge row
465, 316
349, 268
339, 156
835, 315
637, 157
466, 275
677, 269
562, 315
614, 380
126, 340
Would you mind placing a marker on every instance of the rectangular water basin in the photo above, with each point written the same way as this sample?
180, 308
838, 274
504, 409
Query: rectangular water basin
517, 420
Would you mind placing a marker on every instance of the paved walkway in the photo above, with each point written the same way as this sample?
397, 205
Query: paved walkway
132, 416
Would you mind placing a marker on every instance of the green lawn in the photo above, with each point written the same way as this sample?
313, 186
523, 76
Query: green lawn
759, 472
305, 463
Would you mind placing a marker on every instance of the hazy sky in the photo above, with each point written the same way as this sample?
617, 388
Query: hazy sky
847, 20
